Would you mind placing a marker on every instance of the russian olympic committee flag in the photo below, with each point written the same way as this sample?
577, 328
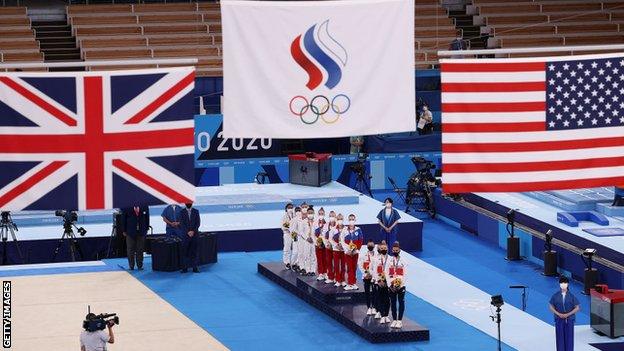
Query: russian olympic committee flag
513, 125
317, 69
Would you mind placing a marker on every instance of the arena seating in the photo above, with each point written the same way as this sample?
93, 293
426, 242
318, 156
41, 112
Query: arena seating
194, 30
17, 38
150, 31
434, 30
538, 23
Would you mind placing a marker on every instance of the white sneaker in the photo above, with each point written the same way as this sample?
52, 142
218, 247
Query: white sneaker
374, 311
320, 277
399, 324
369, 311
344, 283
393, 324
377, 315
337, 284
354, 287
328, 281
385, 320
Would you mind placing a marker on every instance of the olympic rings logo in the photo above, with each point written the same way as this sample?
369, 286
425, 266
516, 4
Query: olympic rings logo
320, 107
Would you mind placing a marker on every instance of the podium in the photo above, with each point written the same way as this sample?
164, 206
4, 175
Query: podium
607, 311
310, 169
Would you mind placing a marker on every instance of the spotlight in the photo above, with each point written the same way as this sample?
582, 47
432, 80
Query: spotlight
591, 274
511, 216
513, 242
549, 237
550, 256
589, 253
497, 301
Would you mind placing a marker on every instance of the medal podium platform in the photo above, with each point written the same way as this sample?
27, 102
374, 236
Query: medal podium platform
346, 307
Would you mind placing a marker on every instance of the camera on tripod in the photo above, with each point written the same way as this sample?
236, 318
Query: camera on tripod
359, 167
420, 184
68, 216
99, 322
6, 220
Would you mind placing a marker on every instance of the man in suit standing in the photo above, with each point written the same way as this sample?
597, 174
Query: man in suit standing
171, 216
136, 221
189, 230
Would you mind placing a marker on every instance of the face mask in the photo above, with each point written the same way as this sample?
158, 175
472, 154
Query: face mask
371, 248
339, 222
290, 211
383, 252
395, 253
189, 205
564, 285
388, 205
298, 213
351, 222
321, 217
310, 216
304, 209
332, 219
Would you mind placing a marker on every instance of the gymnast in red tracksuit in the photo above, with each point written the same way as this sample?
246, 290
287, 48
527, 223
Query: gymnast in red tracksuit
329, 251
320, 226
352, 239
338, 252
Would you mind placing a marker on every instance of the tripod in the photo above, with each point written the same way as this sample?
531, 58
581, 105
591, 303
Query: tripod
112, 237
68, 232
8, 226
361, 182
497, 320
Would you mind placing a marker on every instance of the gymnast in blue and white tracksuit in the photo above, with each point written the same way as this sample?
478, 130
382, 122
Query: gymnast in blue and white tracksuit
564, 305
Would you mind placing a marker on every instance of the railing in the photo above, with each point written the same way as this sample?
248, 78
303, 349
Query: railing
96, 63
498, 52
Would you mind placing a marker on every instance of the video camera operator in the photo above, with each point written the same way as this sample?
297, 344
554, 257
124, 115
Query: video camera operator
96, 340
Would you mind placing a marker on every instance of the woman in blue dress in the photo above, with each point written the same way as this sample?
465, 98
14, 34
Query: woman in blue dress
564, 305
388, 220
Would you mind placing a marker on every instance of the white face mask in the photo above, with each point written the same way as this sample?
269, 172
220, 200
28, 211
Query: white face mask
290, 211
310, 216
321, 217
388, 205
564, 286
332, 219
351, 222
339, 222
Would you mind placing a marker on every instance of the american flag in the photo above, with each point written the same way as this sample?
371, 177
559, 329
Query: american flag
532, 124
95, 140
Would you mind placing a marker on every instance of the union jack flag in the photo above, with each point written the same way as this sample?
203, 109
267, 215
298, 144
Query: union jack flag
95, 140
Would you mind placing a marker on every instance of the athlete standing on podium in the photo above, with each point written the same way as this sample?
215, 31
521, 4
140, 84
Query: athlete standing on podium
320, 226
396, 274
289, 252
352, 239
366, 264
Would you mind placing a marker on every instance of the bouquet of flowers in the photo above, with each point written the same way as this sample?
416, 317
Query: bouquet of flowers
352, 246
319, 241
294, 235
381, 280
367, 275
396, 283
286, 224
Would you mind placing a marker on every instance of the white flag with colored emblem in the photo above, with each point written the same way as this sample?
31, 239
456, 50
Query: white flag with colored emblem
317, 69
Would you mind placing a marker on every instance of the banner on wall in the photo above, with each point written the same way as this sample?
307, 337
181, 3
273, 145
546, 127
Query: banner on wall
318, 69
211, 145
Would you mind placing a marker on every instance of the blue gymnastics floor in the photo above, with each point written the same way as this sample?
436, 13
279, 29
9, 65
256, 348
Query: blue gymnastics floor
246, 311
482, 265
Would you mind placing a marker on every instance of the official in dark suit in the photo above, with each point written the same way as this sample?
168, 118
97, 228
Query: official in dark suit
189, 230
171, 216
136, 221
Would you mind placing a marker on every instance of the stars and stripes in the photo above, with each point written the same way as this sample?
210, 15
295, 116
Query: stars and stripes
532, 124
92, 140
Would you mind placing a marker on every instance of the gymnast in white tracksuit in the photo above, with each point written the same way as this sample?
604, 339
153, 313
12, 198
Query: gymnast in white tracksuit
289, 252
310, 243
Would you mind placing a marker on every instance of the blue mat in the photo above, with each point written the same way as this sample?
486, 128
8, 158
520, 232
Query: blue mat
611, 231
